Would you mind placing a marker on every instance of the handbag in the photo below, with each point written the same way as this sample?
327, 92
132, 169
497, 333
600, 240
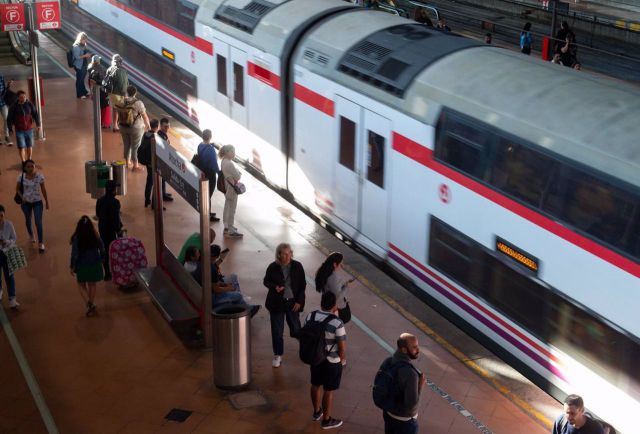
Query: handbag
220, 184
238, 187
16, 260
18, 198
344, 313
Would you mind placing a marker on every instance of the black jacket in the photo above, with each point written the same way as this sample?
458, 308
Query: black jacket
274, 277
108, 212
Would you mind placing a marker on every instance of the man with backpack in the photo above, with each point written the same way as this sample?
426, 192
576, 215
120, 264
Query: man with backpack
575, 420
207, 160
115, 83
323, 346
144, 157
397, 387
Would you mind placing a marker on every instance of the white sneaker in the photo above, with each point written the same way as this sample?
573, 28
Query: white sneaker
13, 303
277, 361
41, 247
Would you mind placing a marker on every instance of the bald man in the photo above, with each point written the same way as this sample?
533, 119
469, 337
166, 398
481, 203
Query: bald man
403, 419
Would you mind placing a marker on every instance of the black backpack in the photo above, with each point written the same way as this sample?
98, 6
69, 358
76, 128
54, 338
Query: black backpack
197, 162
312, 342
144, 151
107, 82
70, 57
608, 429
385, 387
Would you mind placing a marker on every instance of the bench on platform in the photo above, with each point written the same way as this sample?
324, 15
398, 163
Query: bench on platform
167, 286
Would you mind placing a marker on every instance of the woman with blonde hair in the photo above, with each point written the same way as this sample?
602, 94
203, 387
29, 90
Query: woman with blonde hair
80, 62
231, 176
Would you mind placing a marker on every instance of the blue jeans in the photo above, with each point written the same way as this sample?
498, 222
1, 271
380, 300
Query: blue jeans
81, 89
231, 297
24, 139
8, 277
395, 426
36, 208
277, 327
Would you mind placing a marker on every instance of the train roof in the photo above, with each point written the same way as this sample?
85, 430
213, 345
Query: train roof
545, 104
264, 24
572, 113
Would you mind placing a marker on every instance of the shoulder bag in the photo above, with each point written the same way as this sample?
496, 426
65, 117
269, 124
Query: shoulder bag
18, 198
344, 313
238, 187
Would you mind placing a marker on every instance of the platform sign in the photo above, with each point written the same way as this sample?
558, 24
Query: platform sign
12, 17
183, 176
48, 15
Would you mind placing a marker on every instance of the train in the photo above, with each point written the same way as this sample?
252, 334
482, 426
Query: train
507, 189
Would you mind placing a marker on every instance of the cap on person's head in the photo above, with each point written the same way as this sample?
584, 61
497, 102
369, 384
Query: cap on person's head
96, 58
111, 185
215, 250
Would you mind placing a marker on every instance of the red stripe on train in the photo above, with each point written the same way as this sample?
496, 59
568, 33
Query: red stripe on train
197, 42
424, 156
315, 100
264, 75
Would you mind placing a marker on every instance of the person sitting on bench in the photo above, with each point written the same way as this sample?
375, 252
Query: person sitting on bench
226, 289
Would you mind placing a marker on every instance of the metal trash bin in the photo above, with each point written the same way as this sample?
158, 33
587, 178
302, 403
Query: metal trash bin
87, 174
120, 176
100, 174
231, 346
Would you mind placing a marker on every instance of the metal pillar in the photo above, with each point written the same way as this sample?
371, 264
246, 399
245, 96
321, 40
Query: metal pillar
97, 122
156, 202
205, 257
554, 17
33, 41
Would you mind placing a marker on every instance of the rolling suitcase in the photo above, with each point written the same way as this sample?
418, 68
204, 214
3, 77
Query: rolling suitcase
125, 256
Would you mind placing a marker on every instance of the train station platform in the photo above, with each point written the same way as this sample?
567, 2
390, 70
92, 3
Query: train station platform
124, 370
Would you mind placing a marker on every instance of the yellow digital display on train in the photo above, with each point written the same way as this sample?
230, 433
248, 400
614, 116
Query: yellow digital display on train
517, 255
169, 54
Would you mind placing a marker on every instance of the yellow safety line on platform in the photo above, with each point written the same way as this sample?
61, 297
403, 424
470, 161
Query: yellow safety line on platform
504, 390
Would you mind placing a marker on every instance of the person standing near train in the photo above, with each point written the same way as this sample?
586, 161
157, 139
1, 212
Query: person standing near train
80, 63
330, 278
133, 122
231, 176
96, 74
286, 282
115, 83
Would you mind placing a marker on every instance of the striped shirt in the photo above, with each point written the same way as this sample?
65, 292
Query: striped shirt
334, 333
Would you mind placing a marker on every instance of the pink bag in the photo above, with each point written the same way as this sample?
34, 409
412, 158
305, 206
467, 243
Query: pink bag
125, 256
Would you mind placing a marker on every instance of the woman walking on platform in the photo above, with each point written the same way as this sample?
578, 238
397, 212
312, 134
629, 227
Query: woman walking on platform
87, 253
231, 175
7, 240
30, 187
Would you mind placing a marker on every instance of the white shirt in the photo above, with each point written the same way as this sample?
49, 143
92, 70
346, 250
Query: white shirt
31, 192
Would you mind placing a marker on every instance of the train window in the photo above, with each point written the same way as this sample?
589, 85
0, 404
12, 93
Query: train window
592, 205
238, 78
462, 145
521, 172
450, 252
178, 14
221, 64
375, 158
548, 315
347, 143
165, 74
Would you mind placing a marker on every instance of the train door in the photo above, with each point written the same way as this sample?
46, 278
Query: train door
238, 80
222, 100
347, 179
375, 133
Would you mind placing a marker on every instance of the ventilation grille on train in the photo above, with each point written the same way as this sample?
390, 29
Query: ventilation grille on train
247, 18
391, 58
316, 57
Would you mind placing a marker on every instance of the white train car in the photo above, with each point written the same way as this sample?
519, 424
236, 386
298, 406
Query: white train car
507, 189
